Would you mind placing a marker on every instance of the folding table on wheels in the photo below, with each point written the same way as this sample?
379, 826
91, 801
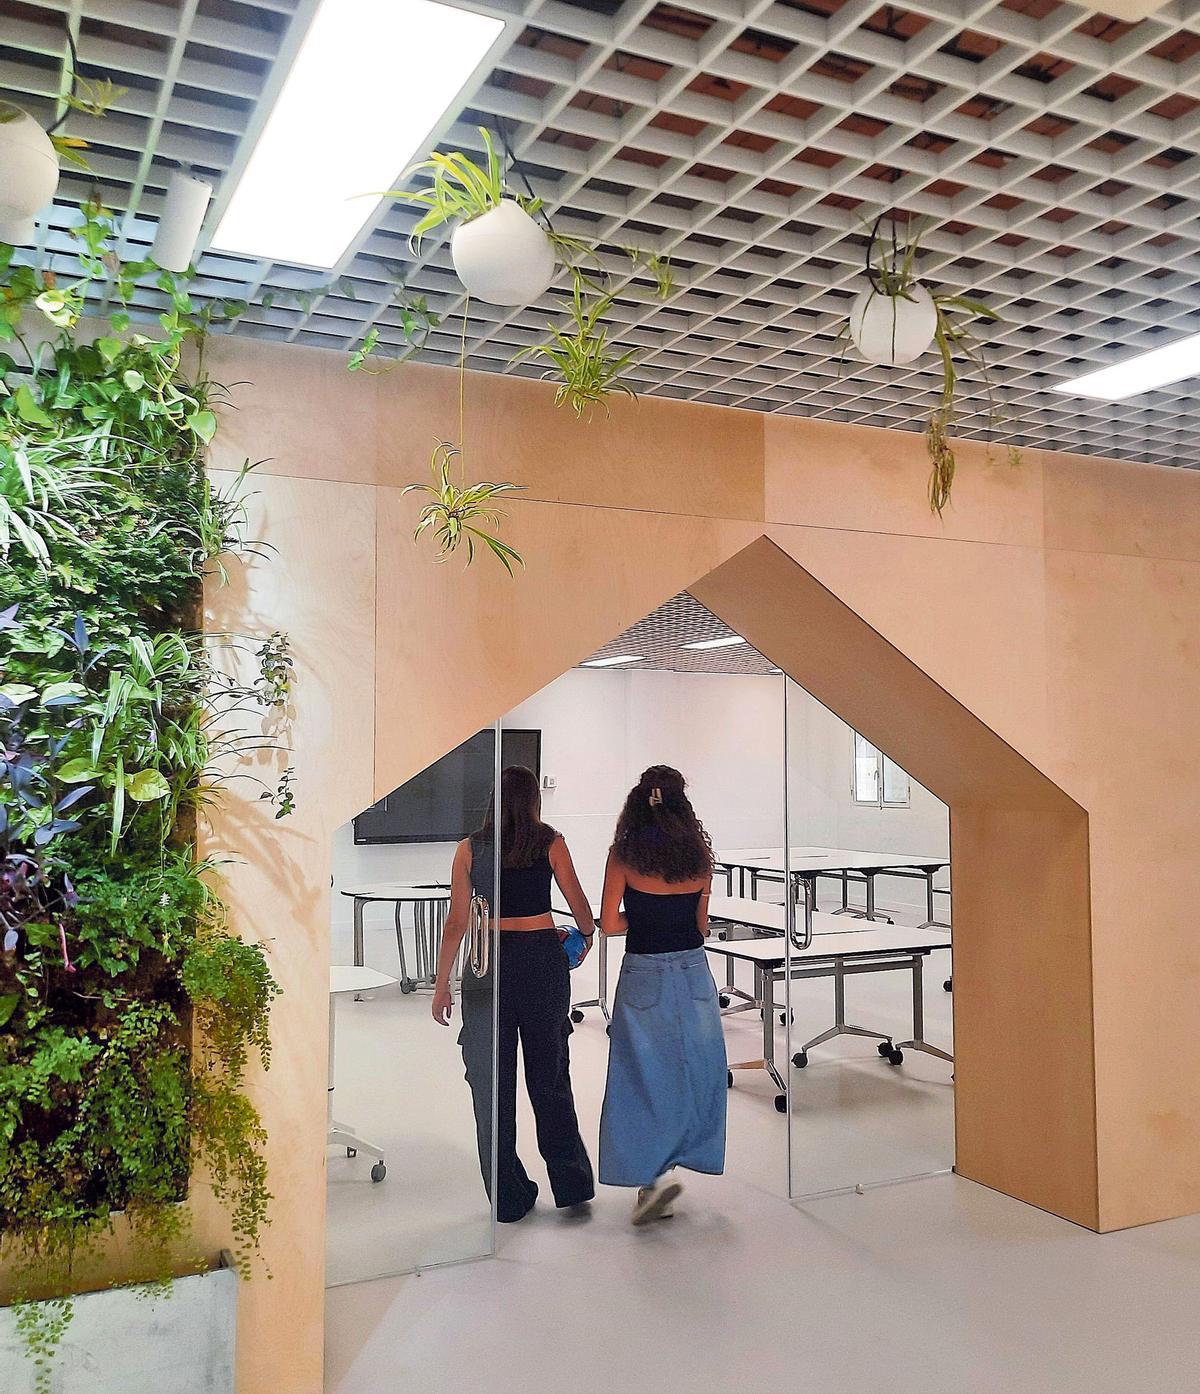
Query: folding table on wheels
829, 953
755, 865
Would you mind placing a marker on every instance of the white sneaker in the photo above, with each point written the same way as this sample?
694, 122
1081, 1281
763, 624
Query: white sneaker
656, 1202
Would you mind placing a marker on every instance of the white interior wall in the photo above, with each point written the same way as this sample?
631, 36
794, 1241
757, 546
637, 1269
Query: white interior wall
600, 729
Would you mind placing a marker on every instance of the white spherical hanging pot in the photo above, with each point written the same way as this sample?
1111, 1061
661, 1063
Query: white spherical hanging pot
893, 330
28, 174
503, 256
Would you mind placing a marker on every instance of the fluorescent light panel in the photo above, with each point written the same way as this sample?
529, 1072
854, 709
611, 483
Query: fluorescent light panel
617, 658
1158, 368
727, 642
368, 84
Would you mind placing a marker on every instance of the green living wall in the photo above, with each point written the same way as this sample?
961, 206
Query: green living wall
129, 1014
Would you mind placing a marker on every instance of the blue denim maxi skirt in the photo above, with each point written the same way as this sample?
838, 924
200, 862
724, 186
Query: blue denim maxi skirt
664, 1105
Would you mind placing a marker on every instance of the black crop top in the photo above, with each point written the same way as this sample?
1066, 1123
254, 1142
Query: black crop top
661, 923
524, 890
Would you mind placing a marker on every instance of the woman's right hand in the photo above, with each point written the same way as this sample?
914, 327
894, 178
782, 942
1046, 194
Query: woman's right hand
443, 1006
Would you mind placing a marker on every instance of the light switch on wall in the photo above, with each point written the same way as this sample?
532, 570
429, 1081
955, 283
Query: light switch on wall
549, 782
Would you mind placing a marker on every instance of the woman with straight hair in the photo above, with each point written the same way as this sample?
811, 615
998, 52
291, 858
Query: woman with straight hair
534, 1001
664, 1105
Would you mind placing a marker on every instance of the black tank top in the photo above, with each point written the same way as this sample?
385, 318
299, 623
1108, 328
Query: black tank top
661, 924
524, 890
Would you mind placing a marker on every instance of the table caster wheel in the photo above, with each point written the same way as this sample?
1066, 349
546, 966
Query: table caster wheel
728, 1079
884, 1048
722, 1000
783, 1018
407, 985
780, 1103
948, 985
896, 1057
608, 1029
351, 1151
800, 1059
576, 1015
378, 1171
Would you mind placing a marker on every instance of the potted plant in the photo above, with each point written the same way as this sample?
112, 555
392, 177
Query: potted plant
501, 255
29, 155
896, 319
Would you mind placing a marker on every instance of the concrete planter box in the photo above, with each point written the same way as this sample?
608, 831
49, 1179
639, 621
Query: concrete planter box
119, 1340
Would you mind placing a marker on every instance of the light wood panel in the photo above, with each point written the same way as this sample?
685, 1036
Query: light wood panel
1006, 663
461, 647
1024, 1078
302, 413
860, 479
319, 587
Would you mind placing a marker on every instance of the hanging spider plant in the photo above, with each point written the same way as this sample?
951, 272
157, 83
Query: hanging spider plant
454, 515
896, 319
580, 358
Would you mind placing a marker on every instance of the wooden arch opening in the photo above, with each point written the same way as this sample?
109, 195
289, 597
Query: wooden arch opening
1025, 1097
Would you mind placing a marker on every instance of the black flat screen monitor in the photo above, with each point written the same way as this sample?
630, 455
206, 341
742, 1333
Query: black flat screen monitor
447, 801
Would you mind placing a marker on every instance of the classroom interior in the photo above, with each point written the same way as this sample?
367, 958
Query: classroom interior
919, 629
680, 687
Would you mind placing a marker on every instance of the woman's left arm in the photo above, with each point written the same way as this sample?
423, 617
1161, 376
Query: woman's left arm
568, 882
702, 908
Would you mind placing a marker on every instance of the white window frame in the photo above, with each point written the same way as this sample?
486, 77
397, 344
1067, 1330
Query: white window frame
859, 748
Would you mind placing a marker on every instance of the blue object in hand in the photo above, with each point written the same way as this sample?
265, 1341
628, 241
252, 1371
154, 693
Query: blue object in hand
574, 946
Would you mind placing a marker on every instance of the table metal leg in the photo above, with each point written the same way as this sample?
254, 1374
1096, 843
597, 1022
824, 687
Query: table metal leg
406, 983
767, 989
358, 932
601, 998
931, 919
840, 1026
918, 1041
747, 1000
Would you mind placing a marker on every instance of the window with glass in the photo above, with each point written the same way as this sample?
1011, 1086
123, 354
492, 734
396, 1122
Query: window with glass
877, 779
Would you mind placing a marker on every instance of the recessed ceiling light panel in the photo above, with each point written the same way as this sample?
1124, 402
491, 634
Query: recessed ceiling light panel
612, 662
727, 642
1159, 368
369, 82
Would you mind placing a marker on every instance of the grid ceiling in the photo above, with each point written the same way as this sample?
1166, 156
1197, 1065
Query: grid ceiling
1054, 152
661, 636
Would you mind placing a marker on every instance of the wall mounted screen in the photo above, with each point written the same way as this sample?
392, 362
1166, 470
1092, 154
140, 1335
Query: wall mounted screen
447, 801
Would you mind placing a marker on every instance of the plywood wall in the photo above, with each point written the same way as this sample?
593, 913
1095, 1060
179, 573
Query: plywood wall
1050, 615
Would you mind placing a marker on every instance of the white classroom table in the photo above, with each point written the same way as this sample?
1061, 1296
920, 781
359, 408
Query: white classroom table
345, 978
834, 952
430, 901
808, 864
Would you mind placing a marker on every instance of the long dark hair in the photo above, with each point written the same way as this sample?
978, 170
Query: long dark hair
658, 832
523, 835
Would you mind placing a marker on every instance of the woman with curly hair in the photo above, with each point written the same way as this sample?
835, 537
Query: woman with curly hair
664, 1105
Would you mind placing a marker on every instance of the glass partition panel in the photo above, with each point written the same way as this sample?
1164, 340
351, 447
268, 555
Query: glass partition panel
412, 1101
865, 1017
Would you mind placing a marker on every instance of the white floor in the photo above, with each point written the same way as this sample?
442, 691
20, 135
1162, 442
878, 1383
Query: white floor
938, 1285
400, 1081
934, 1287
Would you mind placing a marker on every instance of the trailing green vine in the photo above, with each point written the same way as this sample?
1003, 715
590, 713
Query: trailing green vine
129, 1011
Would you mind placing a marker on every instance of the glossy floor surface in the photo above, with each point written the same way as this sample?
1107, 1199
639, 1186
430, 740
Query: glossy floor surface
933, 1287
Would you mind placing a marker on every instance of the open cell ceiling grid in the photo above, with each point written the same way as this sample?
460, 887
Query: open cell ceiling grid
661, 637
1054, 152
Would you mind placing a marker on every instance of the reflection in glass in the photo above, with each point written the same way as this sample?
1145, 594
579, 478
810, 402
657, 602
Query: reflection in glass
862, 1110
396, 1076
